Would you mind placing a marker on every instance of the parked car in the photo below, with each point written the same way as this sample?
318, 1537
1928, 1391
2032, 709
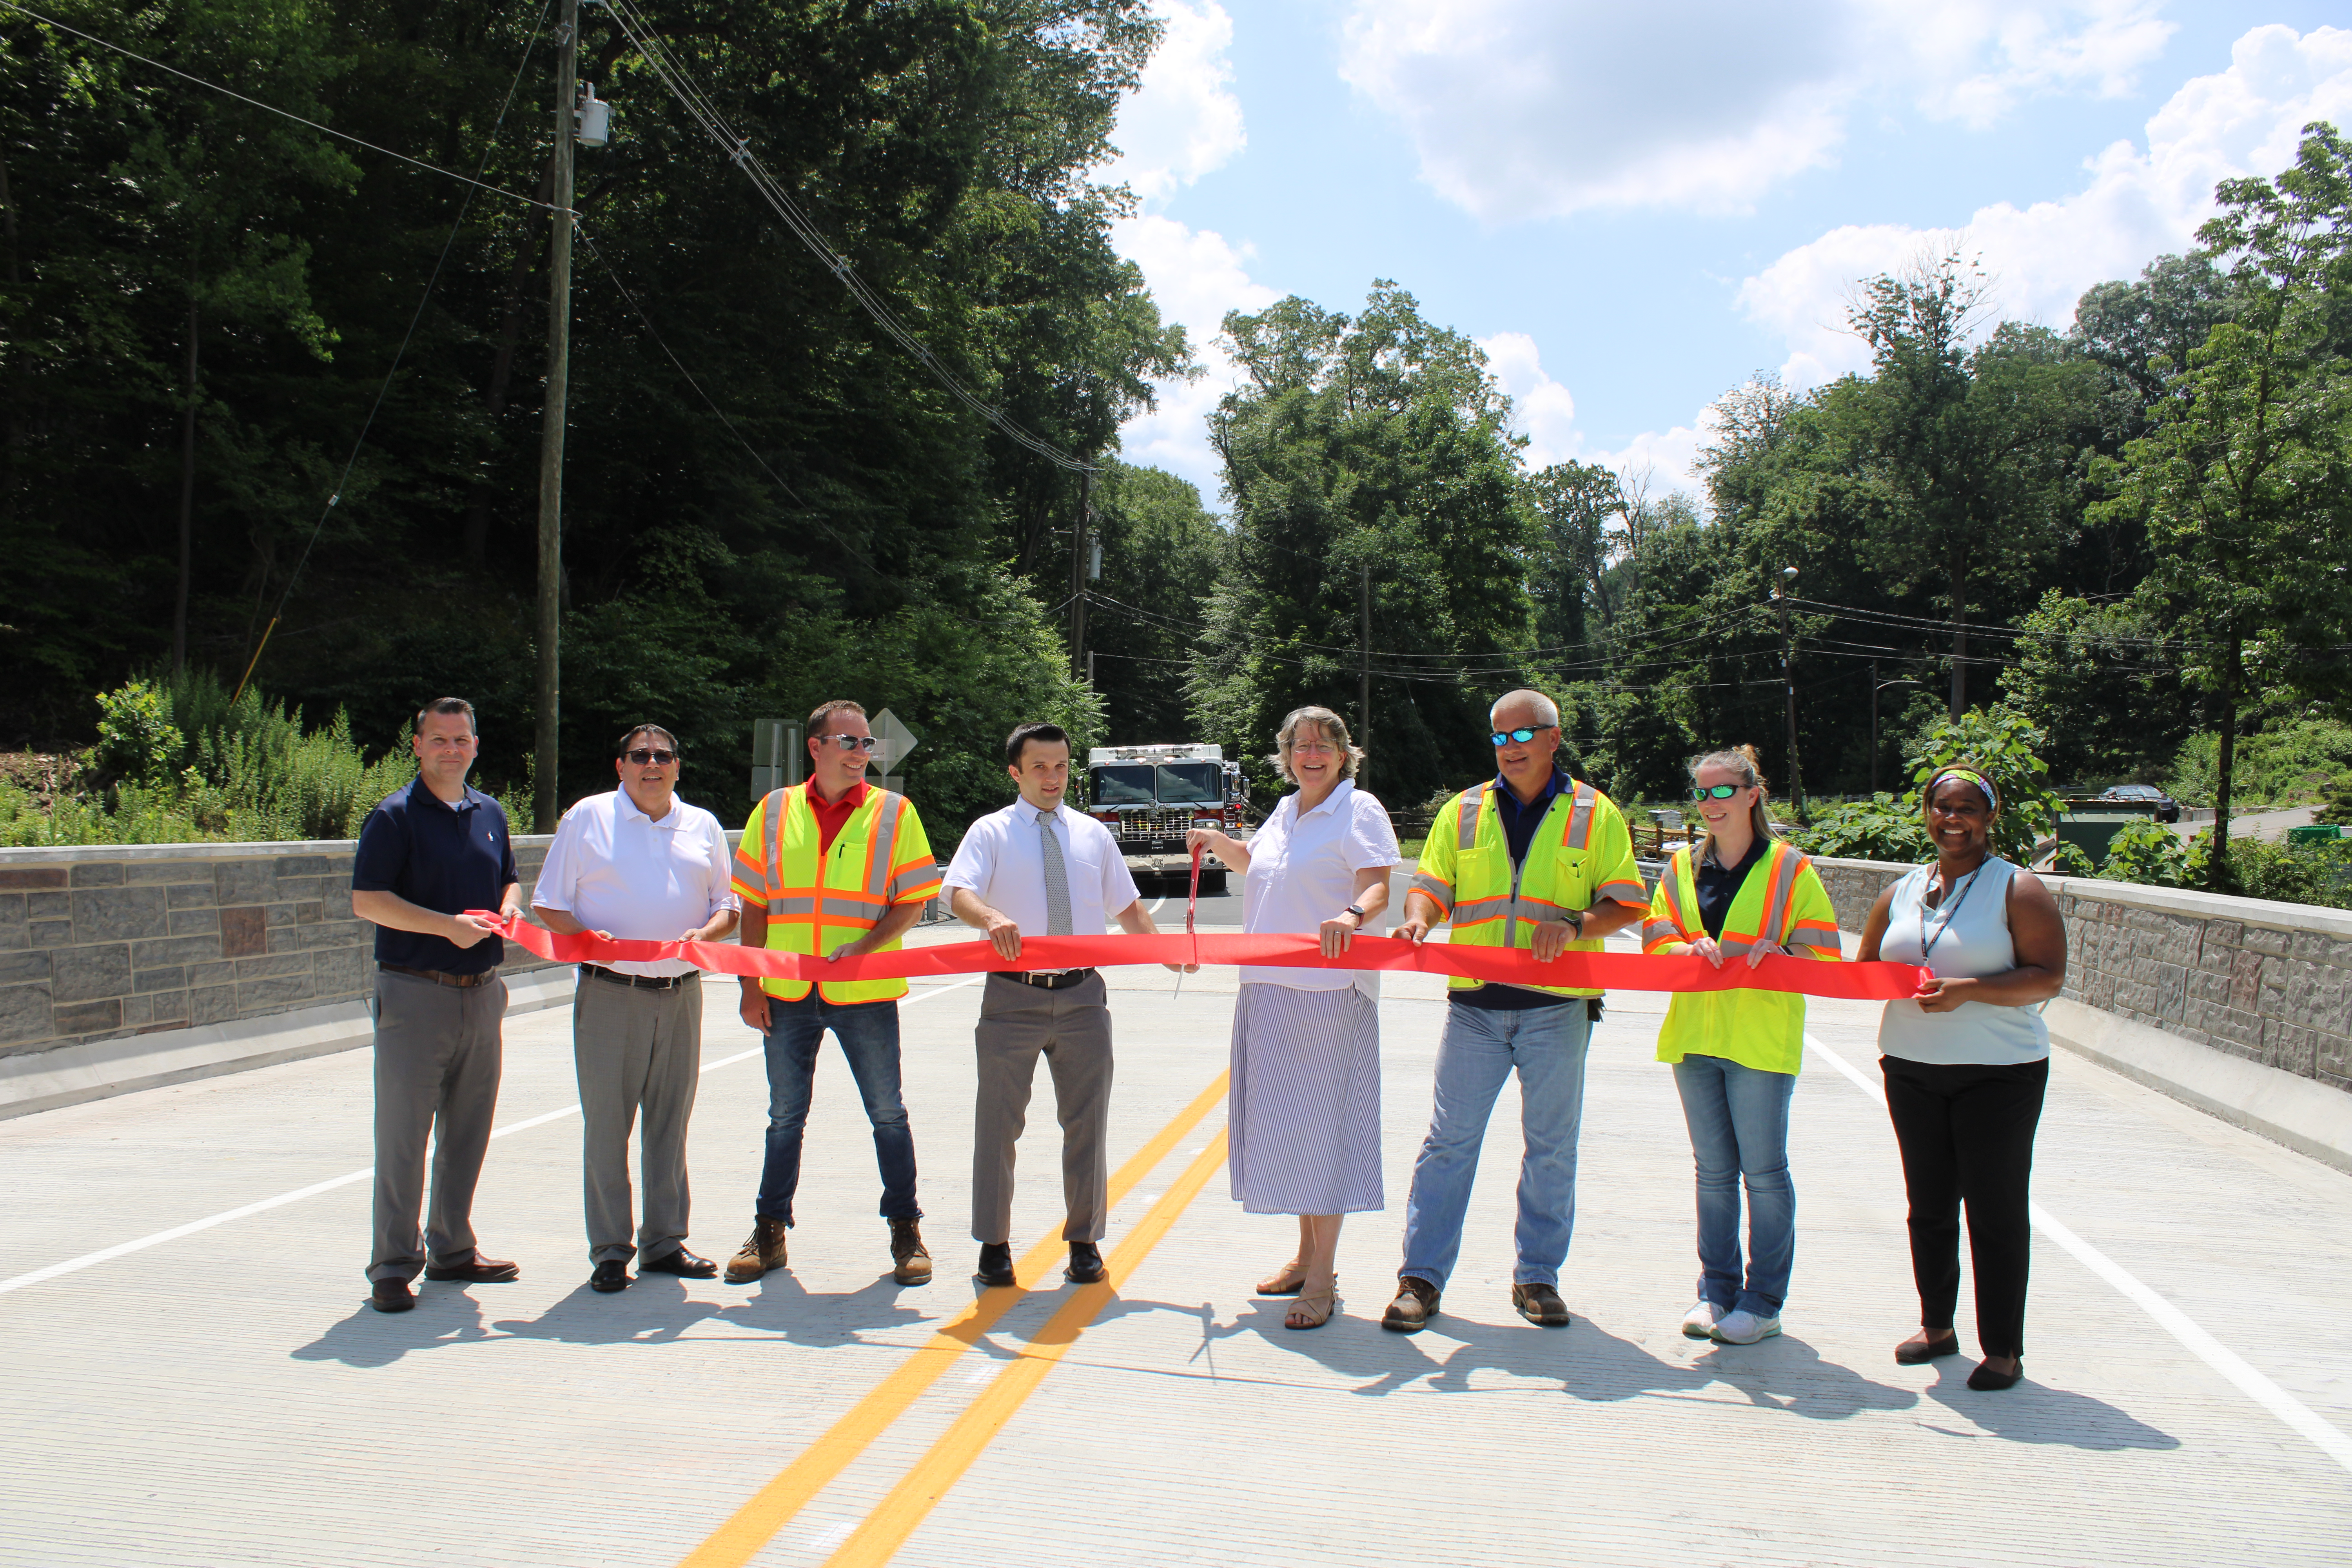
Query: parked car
2166, 808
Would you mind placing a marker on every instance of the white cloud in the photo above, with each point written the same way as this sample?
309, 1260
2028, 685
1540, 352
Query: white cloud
2134, 206
1196, 276
1537, 107
1542, 408
1183, 122
1544, 411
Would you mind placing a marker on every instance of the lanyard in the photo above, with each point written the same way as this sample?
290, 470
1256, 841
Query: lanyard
1950, 912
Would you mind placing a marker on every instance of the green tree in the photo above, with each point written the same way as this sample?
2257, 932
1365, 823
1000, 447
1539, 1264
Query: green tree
2242, 480
1161, 554
1367, 458
2103, 682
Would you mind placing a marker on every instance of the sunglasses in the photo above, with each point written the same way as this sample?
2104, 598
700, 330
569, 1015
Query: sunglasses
1715, 791
1522, 736
644, 754
854, 742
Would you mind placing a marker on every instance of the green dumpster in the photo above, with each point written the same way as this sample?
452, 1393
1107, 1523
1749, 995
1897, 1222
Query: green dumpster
2322, 834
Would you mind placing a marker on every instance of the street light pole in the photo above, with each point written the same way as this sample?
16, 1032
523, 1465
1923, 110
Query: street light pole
1788, 685
544, 740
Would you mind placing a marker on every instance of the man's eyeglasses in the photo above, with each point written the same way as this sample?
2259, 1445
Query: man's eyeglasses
1715, 791
644, 754
854, 742
1502, 737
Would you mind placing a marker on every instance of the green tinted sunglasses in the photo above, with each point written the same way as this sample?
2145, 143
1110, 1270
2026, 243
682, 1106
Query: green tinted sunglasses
1717, 792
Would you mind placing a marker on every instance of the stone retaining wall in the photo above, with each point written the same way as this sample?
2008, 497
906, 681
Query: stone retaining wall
102, 942
2266, 981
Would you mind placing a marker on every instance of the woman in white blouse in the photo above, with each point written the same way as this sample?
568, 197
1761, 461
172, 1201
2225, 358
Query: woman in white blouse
1302, 1118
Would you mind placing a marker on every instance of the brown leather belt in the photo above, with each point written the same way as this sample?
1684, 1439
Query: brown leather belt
1048, 979
642, 982
439, 977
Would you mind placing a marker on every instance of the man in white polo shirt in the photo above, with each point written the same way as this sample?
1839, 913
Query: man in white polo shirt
1041, 868
640, 864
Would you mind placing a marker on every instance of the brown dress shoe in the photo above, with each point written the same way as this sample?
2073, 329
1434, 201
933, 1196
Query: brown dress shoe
763, 1251
682, 1263
391, 1296
911, 1260
476, 1270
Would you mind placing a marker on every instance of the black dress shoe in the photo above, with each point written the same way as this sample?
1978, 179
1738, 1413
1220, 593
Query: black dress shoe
1085, 1264
996, 1263
1984, 1380
682, 1263
1923, 1348
476, 1270
611, 1275
391, 1295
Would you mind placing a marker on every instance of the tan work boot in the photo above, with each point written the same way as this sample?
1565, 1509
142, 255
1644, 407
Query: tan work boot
911, 1259
763, 1251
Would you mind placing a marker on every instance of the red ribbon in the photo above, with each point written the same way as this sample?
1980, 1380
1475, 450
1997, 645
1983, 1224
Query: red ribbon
1590, 971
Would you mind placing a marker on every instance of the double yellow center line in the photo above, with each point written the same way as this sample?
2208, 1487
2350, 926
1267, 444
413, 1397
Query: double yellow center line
752, 1526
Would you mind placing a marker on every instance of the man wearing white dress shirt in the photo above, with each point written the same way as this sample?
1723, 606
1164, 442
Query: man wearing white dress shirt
638, 864
1041, 868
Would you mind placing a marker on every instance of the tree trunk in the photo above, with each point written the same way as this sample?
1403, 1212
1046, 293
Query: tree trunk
187, 500
526, 262
1959, 646
13, 438
2225, 762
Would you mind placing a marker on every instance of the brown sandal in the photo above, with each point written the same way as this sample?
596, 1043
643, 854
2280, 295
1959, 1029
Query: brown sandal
1314, 1306
1290, 1281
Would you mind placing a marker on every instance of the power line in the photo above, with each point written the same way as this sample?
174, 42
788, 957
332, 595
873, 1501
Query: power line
705, 113
288, 114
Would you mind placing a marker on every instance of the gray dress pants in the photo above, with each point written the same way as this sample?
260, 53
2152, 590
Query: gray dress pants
437, 1059
636, 1050
1071, 1027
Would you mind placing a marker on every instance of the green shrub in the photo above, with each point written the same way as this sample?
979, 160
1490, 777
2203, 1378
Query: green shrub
1879, 828
2147, 852
2070, 862
136, 738
2001, 743
2286, 762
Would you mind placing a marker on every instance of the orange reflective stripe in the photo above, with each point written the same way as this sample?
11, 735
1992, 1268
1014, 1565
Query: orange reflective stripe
881, 839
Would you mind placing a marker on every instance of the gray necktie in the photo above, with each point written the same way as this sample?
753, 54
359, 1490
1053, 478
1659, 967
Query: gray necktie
1057, 879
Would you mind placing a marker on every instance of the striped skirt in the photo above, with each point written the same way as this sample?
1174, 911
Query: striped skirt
1303, 1116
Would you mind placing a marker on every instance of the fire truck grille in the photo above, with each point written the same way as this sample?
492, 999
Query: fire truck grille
1164, 823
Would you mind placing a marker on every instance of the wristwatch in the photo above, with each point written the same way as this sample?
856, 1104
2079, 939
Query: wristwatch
1357, 910
1576, 919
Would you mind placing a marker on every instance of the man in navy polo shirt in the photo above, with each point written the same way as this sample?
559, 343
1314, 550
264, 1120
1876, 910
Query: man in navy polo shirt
429, 852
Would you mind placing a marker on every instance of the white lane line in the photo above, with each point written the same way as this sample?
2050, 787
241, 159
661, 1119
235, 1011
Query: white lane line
123, 1249
2330, 1438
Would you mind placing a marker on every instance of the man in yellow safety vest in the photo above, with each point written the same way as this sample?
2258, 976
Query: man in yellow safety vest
836, 867
1533, 859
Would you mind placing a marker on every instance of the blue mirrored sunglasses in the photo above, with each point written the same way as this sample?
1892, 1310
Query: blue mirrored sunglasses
1715, 791
1521, 736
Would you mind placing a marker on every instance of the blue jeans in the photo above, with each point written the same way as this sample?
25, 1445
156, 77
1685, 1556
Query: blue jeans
1480, 1048
868, 1033
1738, 1118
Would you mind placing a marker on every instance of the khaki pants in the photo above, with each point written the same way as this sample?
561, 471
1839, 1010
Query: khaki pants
1071, 1028
636, 1049
437, 1060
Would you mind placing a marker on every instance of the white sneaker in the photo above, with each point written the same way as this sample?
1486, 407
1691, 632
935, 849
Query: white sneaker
1738, 1327
1698, 1323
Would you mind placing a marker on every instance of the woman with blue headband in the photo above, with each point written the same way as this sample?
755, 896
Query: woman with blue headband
1967, 1061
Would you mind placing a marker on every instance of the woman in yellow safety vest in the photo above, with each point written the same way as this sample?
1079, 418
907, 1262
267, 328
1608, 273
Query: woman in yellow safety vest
1738, 892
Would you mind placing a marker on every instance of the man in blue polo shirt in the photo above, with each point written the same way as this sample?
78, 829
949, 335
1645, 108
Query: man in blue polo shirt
429, 852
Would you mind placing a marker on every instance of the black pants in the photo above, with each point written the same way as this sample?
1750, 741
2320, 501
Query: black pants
1967, 1134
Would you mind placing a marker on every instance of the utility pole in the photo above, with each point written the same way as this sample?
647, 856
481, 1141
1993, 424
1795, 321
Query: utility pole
1363, 658
1788, 684
1078, 666
1874, 726
551, 434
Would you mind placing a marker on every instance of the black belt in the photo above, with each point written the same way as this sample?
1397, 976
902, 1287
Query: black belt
642, 982
441, 977
1048, 979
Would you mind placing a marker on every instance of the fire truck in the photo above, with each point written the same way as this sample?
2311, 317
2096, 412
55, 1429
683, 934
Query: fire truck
1150, 795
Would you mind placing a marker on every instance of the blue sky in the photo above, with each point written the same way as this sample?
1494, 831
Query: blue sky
1634, 208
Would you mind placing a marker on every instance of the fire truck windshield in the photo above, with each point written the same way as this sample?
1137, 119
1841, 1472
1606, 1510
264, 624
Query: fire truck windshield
1169, 784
